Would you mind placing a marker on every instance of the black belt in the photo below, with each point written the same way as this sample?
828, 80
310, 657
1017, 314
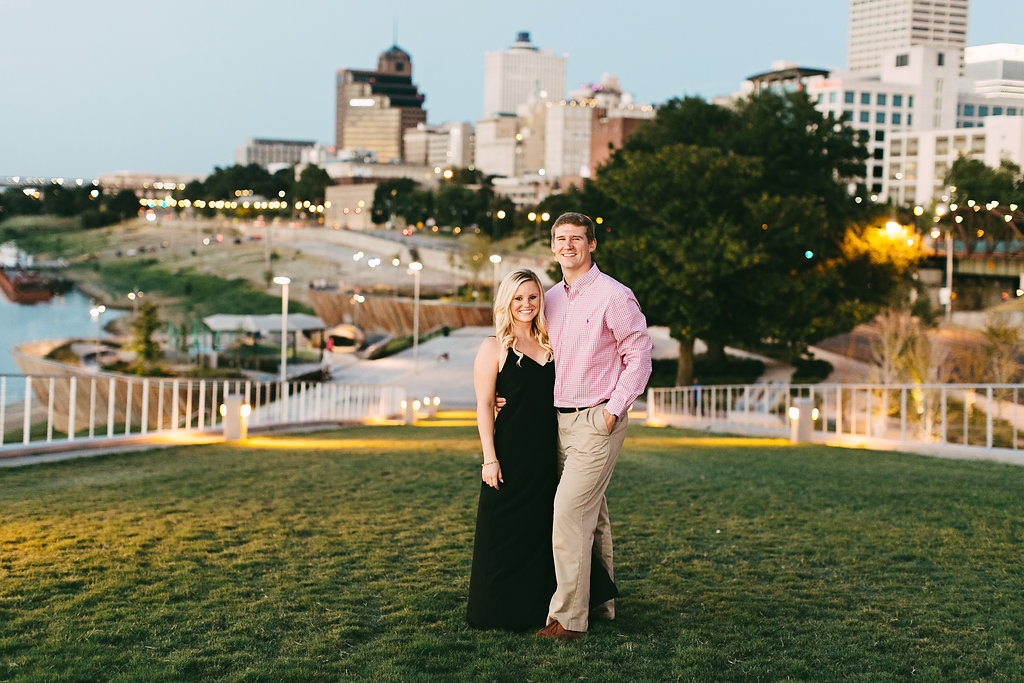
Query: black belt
576, 410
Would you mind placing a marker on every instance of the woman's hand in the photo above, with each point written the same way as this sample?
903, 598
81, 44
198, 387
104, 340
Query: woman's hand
491, 474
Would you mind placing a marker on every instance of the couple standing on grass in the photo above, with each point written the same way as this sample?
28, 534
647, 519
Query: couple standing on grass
543, 549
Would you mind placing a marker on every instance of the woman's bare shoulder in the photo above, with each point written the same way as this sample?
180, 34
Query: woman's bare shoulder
488, 348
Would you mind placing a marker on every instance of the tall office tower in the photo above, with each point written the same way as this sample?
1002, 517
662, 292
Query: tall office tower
519, 74
374, 108
880, 25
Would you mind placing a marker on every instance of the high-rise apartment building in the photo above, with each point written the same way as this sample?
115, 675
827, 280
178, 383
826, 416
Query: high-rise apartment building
274, 154
375, 108
521, 74
877, 26
449, 145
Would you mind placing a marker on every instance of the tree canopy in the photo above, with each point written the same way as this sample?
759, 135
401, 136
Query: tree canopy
973, 179
736, 225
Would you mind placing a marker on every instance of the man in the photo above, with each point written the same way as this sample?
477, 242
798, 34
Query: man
602, 364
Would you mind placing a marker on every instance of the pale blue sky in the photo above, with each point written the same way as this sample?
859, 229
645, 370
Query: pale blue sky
87, 88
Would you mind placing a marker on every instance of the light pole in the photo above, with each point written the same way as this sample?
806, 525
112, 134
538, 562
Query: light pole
395, 262
495, 259
416, 267
95, 312
284, 282
946, 293
134, 296
538, 218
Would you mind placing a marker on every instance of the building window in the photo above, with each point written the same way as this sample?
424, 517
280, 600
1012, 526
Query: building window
942, 59
910, 101
968, 124
897, 100
848, 97
879, 136
968, 110
847, 115
876, 188
1011, 111
865, 116
997, 111
902, 60
877, 172
880, 99
910, 119
880, 117
865, 98
897, 118
982, 110
879, 153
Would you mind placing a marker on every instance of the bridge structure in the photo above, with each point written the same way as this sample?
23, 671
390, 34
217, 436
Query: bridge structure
983, 239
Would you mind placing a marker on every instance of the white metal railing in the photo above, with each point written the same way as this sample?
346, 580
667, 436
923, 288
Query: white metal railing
915, 417
46, 409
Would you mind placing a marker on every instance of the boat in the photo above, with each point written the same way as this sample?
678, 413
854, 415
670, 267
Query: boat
23, 287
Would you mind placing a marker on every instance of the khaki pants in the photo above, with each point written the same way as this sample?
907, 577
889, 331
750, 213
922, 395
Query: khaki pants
586, 460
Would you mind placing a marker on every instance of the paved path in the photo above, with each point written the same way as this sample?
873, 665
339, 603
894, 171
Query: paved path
451, 379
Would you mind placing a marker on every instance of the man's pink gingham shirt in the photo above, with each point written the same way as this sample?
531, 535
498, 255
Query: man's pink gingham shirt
602, 349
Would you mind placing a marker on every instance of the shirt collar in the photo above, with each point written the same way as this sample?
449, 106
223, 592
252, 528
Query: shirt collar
583, 281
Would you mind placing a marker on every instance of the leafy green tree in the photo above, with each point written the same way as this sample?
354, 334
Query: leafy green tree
459, 206
14, 202
124, 205
312, 185
393, 198
146, 348
736, 226
973, 179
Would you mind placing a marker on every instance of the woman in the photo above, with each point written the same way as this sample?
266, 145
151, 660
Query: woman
513, 575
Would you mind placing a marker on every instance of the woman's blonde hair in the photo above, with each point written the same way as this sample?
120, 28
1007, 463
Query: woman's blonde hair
504, 327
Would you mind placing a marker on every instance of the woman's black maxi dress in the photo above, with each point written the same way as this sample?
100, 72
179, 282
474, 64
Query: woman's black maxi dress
513, 574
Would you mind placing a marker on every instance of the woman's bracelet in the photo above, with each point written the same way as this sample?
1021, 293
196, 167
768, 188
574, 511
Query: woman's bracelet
491, 462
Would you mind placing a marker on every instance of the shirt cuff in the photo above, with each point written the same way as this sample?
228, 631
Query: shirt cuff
616, 408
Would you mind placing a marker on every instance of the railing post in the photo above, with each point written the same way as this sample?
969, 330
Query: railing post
174, 405
72, 404
111, 402
839, 410
945, 427
144, 423
130, 389
49, 411
188, 405
903, 413
202, 405
26, 423
988, 416
3, 408
92, 408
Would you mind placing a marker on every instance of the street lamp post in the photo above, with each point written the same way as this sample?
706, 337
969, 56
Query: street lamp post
495, 259
95, 312
284, 282
416, 267
134, 297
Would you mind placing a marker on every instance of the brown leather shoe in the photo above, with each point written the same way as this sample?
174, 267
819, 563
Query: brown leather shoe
555, 631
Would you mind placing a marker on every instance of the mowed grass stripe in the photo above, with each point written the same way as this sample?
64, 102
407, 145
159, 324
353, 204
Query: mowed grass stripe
345, 554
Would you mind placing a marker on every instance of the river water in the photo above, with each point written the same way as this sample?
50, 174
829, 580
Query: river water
66, 315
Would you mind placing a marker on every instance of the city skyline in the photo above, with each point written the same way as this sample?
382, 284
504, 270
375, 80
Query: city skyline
127, 86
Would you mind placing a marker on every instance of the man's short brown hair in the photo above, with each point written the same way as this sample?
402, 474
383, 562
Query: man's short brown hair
577, 219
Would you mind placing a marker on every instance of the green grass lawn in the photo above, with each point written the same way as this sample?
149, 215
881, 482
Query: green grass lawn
346, 555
